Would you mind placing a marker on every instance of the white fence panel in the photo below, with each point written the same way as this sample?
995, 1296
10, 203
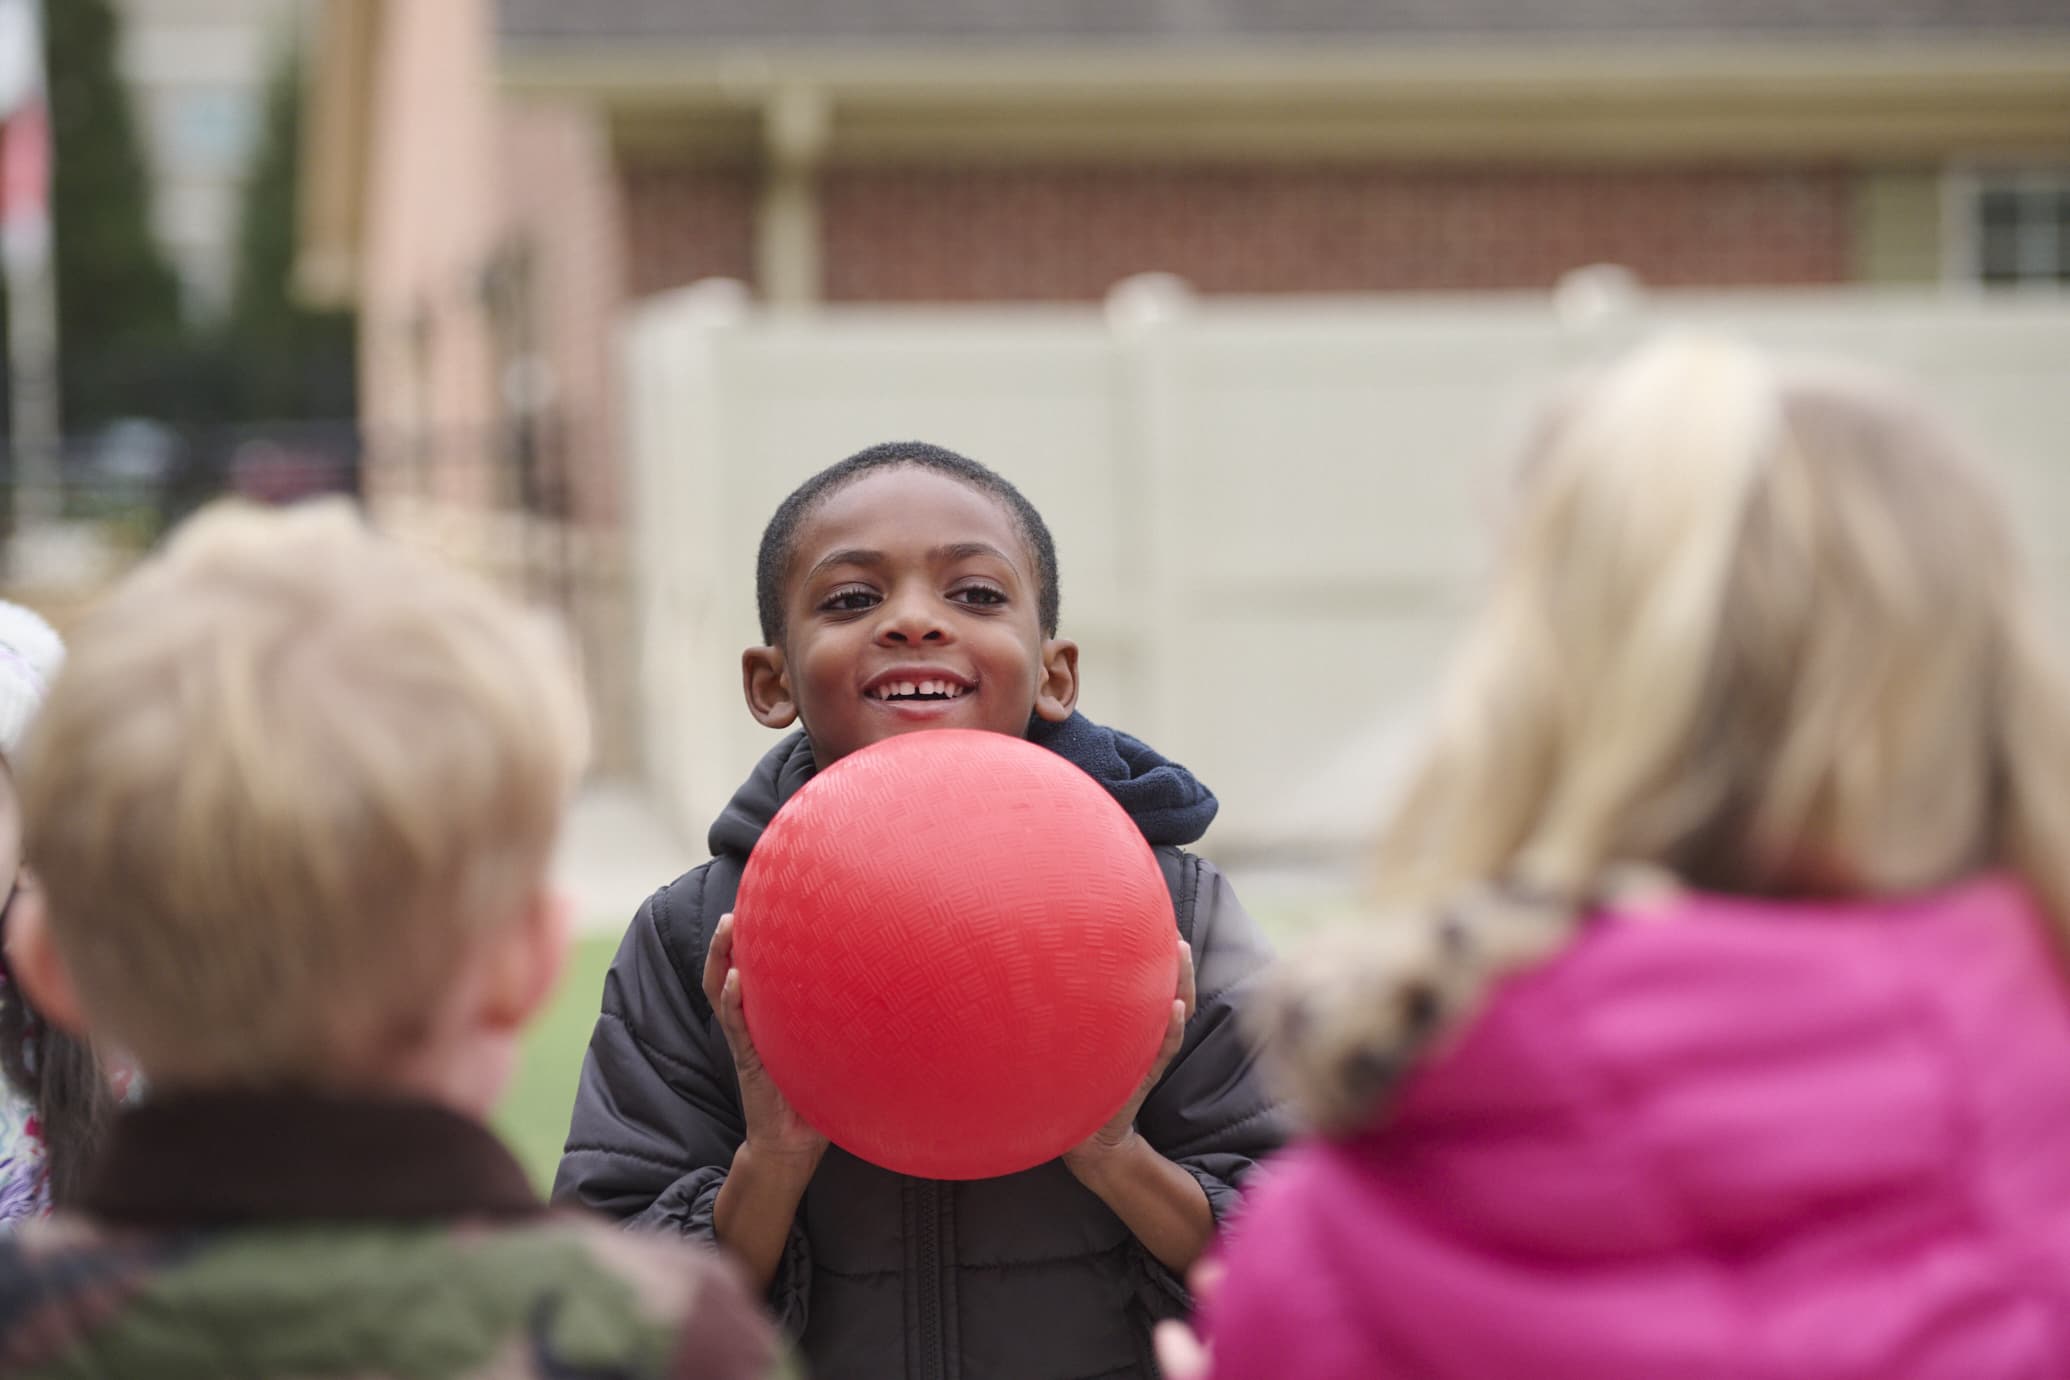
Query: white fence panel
1270, 516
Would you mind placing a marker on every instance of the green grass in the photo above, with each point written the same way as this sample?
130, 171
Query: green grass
533, 1116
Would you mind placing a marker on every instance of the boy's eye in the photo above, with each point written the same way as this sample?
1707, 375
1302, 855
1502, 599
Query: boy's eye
978, 594
853, 599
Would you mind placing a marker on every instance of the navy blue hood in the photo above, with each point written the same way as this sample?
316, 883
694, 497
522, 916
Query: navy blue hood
1167, 802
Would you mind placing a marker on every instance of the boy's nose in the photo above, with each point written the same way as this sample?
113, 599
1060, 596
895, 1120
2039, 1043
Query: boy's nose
907, 621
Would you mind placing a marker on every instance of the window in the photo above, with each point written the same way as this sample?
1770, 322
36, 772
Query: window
2012, 226
214, 130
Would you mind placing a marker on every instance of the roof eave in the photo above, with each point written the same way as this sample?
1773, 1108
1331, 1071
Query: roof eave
1800, 98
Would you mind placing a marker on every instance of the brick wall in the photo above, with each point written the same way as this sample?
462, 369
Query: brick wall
904, 234
683, 224
977, 234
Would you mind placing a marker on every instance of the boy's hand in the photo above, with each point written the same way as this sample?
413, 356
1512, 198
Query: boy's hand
1121, 1128
775, 1134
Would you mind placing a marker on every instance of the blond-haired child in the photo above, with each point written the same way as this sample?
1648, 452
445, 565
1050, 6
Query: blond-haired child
292, 802
1722, 1028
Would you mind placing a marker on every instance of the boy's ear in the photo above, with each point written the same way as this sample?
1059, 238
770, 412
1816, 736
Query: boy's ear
529, 963
1057, 696
767, 682
33, 958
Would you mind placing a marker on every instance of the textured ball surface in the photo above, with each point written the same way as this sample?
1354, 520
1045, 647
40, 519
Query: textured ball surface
957, 954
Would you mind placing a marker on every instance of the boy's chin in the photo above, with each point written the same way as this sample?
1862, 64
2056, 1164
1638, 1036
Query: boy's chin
885, 719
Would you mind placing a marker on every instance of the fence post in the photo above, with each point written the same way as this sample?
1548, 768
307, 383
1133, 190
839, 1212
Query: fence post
675, 446
1146, 313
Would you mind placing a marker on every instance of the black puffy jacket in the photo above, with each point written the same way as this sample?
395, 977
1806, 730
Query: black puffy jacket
1027, 1277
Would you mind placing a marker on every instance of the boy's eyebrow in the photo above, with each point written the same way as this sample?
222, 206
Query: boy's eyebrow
851, 555
964, 550
956, 551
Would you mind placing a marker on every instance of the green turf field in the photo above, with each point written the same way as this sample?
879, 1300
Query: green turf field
534, 1114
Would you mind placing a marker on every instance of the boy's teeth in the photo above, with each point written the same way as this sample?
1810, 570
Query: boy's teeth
901, 689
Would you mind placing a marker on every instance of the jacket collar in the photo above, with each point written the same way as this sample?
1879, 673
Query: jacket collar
1168, 803
200, 1159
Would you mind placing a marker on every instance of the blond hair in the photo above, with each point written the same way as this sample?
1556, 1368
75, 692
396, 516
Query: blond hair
287, 775
1759, 630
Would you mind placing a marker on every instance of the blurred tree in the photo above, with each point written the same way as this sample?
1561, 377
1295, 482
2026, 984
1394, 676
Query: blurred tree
293, 362
118, 299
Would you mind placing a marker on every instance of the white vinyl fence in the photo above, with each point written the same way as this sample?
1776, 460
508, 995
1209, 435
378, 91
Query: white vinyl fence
1270, 515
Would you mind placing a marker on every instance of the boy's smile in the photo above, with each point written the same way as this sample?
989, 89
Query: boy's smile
918, 691
911, 603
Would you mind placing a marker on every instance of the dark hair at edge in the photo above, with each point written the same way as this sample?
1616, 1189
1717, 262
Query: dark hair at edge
65, 1085
780, 537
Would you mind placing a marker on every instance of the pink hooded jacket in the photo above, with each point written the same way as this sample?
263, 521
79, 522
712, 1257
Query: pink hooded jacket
1746, 1139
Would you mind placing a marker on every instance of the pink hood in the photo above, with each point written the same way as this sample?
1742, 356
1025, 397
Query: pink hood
1746, 1139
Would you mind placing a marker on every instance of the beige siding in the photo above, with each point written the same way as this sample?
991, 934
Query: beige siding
1898, 225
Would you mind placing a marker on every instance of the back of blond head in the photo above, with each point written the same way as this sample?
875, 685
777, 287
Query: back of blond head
1765, 629
1754, 629
290, 771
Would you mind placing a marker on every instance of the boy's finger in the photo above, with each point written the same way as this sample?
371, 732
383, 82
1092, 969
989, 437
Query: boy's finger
733, 1017
1174, 1036
718, 959
730, 1004
1179, 1353
1189, 988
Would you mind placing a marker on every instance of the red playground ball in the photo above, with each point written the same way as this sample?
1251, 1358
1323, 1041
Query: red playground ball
957, 954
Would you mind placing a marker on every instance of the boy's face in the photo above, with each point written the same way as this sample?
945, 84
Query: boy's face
911, 603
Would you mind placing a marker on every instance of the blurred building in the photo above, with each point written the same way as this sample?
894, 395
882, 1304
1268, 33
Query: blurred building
489, 176
904, 150
492, 183
197, 71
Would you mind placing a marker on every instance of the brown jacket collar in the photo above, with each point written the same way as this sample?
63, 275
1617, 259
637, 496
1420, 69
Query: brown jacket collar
207, 1159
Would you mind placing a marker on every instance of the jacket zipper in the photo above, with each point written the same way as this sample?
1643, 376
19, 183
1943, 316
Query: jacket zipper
933, 1336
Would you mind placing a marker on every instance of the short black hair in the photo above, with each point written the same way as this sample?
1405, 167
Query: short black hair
780, 537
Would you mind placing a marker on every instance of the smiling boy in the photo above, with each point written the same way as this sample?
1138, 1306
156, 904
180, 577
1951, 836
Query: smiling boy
907, 589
